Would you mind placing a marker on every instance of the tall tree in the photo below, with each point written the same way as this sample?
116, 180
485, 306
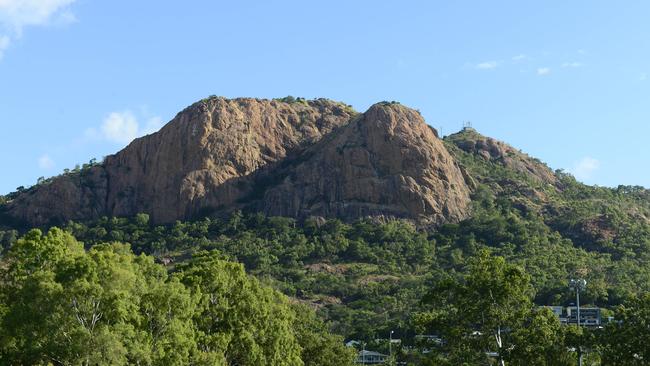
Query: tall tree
539, 340
318, 346
237, 320
65, 306
476, 314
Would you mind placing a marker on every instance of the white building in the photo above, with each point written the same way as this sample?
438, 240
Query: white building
371, 358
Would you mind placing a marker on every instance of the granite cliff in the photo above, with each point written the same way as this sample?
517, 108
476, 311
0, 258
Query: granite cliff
294, 158
385, 163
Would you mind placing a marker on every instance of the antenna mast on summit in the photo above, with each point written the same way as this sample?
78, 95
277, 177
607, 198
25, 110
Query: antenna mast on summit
467, 124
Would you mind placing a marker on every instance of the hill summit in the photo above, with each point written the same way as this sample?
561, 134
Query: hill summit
289, 157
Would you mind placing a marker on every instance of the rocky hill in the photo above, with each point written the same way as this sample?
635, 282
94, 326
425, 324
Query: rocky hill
611, 220
293, 158
489, 149
298, 158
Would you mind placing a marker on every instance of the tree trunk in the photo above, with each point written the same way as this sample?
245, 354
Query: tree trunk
502, 362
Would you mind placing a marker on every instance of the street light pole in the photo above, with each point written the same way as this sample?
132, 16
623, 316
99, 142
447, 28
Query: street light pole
390, 346
578, 303
578, 285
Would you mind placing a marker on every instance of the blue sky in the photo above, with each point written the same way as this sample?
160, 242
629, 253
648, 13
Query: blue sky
565, 81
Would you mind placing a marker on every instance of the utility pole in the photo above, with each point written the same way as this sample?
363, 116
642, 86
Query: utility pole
578, 285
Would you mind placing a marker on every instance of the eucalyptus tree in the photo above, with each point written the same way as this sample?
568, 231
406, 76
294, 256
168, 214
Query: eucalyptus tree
487, 312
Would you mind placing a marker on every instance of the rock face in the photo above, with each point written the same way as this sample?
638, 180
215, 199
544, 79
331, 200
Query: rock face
298, 159
386, 163
205, 157
201, 159
73, 196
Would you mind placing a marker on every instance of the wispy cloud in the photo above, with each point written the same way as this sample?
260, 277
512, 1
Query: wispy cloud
487, 65
123, 127
585, 168
573, 64
120, 127
16, 15
520, 57
45, 162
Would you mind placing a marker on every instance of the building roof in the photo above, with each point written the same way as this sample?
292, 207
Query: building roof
371, 353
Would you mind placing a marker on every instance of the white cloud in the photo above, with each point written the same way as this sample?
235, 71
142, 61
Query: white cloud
45, 162
585, 168
572, 64
543, 71
123, 127
519, 57
15, 15
120, 127
487, 65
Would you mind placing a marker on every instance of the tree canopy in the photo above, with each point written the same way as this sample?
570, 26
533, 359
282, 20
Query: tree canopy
63, 305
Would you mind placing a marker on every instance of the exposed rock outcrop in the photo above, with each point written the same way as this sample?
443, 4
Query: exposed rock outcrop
386, 163
297, 159
205, 158
201, 159
77, 196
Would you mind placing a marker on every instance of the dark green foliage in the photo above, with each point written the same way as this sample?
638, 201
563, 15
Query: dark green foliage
291, 99
627, 340
366, 278
362, 271
63, 305
475, 313
319, 347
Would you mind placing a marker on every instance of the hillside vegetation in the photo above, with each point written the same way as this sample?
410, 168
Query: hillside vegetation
363, 277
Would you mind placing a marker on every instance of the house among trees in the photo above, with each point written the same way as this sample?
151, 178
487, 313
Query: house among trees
569, 315
588, 316
371, 358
